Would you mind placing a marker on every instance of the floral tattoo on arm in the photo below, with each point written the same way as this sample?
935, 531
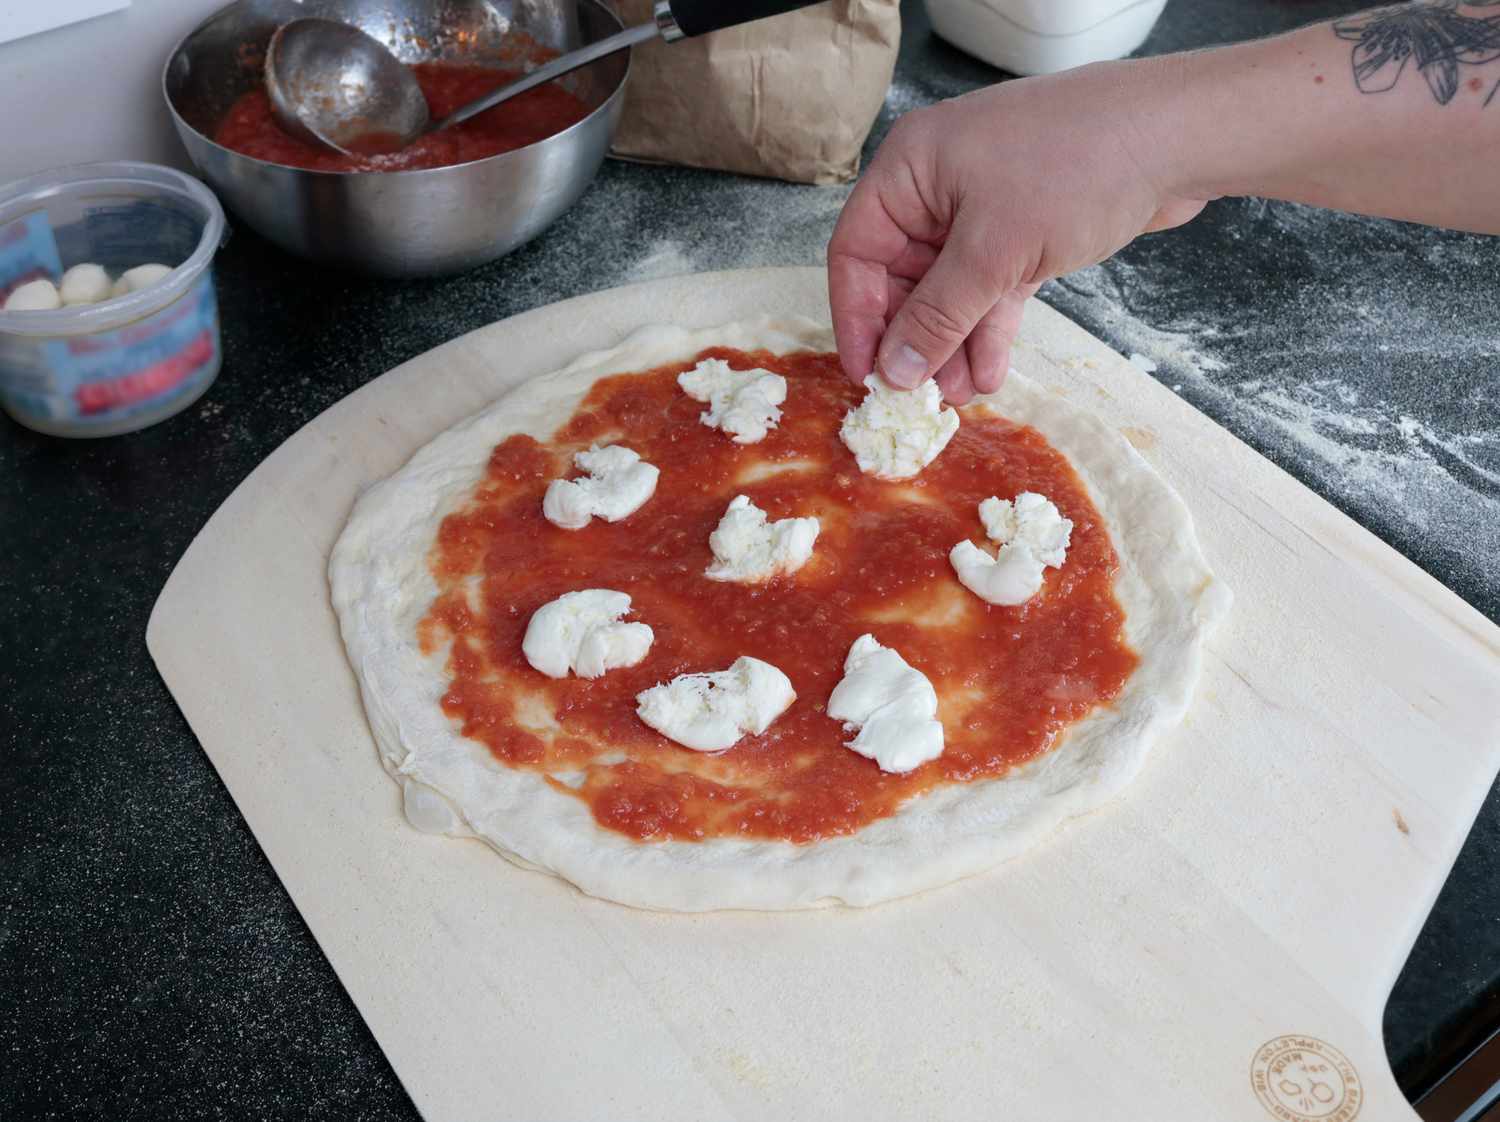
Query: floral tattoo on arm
1435, 36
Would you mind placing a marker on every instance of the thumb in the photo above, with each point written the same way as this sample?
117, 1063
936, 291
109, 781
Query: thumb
962, 285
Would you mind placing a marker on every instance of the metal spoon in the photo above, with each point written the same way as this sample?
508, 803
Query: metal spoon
331, 84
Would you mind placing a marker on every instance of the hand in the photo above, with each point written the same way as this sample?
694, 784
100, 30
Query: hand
970, 205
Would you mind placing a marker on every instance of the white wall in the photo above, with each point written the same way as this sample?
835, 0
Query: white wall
92, 91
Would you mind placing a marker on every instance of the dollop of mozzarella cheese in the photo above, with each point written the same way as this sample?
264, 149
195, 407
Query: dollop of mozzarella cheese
84, 284
894, 434
892, 704
1032, 519
748, 548
142, 276
582, 632
617, 485
710, 712
1033, 536
34, 296
742, 403
1012, 577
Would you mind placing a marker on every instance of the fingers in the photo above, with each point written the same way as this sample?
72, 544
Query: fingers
865, 240
955, 379
854, 295
988, 347
1174, 213
897, 289
989, 344
963, 283
960, 378
885, 230
981, 364
913, 262
907, 288
857, 296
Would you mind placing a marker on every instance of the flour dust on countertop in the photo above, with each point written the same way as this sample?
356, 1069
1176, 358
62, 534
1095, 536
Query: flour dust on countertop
1359, 354
752, 223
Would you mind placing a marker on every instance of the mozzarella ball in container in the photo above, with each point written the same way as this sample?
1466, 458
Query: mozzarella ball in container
34, 296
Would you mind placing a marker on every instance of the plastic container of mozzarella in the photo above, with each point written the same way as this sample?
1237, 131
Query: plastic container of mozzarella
1044, 36
127, 362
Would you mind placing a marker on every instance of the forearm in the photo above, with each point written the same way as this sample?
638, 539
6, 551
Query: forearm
1390, 112
973, 203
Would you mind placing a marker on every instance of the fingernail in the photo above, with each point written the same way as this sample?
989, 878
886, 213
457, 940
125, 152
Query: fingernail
904, 367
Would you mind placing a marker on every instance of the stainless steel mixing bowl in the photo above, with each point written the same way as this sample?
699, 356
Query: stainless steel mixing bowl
401, 223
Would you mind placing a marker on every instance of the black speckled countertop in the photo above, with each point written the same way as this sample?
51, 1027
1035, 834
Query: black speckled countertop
154, 967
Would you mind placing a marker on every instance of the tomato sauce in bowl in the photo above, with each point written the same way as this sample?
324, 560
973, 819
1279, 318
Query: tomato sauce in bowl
250, 129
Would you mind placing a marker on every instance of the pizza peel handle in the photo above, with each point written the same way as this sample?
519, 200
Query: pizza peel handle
679, 18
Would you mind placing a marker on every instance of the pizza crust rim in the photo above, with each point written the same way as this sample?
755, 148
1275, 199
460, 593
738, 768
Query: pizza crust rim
381, 588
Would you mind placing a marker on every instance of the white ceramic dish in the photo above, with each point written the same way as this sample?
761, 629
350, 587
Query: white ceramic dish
1044, 36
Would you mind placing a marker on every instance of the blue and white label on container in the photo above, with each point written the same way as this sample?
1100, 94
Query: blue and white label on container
28, 252
101, 379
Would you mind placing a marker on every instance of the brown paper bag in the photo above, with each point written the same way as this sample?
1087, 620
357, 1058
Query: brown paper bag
791, 97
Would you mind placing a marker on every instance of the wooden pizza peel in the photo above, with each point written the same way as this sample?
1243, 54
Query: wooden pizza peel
1216, 944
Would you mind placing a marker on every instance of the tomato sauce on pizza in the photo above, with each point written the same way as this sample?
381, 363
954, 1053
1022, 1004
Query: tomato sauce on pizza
1010, 680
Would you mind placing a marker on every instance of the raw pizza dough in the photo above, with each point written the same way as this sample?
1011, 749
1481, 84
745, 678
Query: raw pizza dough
382, 588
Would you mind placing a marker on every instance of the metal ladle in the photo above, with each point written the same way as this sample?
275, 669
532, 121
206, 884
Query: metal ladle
333, 85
